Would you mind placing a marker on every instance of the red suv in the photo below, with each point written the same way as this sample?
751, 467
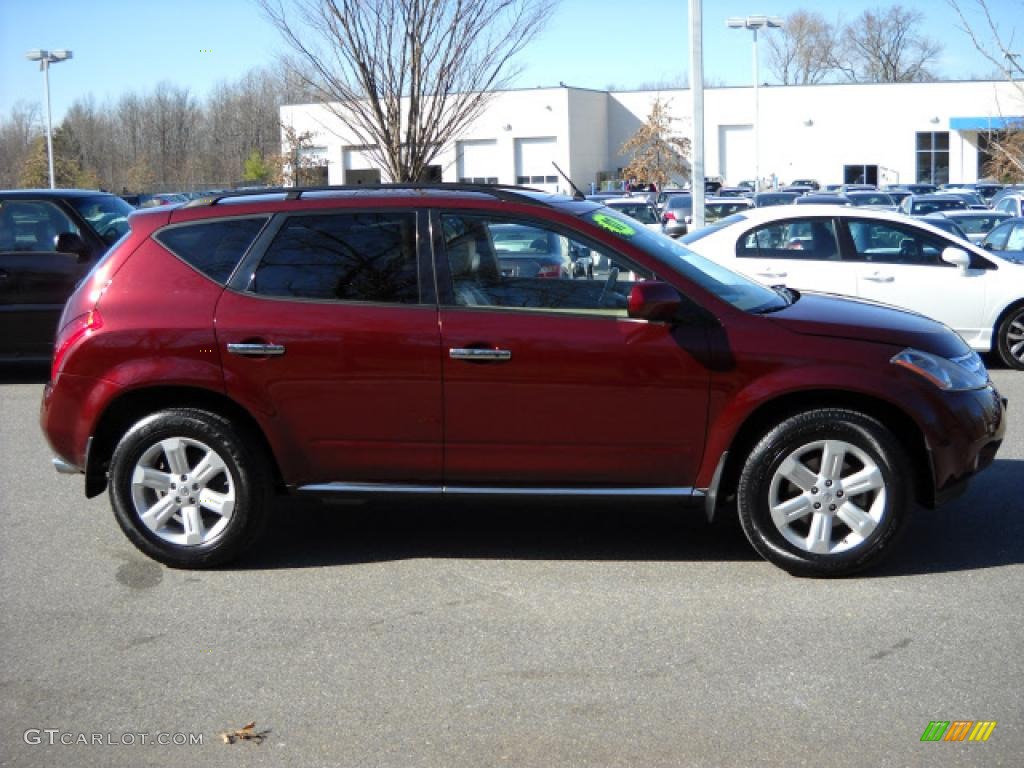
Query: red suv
369, 341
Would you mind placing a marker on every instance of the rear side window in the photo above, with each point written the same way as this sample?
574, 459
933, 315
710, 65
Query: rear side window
342, 257
808, 239
212, 247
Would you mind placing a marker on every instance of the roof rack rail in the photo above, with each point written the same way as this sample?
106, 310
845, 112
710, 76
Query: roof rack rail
498, 191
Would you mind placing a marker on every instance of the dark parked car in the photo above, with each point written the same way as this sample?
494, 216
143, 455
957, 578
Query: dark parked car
976, 224
822, 198
1007, 239
525, 251
677, 215
343, 342
922, 205
49, 239
765, 199
871, 199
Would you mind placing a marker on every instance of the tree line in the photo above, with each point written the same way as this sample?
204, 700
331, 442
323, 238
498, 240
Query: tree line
167, 139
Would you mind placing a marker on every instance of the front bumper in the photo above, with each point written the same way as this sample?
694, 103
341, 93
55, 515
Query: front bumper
965, 441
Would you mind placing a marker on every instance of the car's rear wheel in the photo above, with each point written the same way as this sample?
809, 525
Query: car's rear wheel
1010, 338
825, 493
187, 490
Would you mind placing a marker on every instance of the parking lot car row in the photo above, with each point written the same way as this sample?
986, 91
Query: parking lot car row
382, 341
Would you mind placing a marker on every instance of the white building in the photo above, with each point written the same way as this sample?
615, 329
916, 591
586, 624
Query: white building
878, 133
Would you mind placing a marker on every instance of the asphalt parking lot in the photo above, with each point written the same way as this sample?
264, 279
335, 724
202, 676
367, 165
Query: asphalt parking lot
482, 635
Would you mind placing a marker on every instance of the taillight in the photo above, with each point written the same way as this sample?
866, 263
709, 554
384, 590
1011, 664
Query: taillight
668, 216
77, 329
550, 270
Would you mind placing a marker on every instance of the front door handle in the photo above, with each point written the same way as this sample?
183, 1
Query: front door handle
878, 277
476, 355
256, 350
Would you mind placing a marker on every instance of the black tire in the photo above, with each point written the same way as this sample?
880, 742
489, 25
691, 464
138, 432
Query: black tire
819, 541
1010, 338
235, 472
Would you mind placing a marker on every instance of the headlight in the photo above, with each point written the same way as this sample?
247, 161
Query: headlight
954, 375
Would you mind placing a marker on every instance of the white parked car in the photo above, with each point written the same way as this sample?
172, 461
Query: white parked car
881, 256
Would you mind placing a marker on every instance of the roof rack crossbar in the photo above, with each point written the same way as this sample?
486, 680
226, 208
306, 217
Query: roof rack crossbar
498, 191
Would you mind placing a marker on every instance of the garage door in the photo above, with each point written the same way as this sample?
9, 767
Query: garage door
360, 167
477, 161
736, 152
533, 163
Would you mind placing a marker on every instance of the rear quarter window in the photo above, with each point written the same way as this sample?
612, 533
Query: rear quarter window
212, 247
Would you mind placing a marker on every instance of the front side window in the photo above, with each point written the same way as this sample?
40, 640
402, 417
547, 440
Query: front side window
530, 266
998, 237
32, 225
1016, 240
358, 256
807, 239
889, 243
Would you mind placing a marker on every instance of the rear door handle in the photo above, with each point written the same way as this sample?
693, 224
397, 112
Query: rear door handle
256, 350
769, 273
476, 355
878, 277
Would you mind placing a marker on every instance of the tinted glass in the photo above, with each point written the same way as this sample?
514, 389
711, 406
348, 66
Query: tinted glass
212, 247
528, 266
106, 214
997, 237
342, 257
32, 225
728, 286
808, 239
886, 242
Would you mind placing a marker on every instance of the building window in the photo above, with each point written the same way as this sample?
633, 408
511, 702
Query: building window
536, 179
933, 157
479, 180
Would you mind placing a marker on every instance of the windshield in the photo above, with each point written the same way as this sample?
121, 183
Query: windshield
106, 214
729, 286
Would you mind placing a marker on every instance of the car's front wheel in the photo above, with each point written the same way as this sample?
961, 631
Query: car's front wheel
825, 493
1010, 338
187, 490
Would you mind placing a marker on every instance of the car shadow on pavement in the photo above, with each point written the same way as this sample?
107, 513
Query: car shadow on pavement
984, 528
313, 534
19, 372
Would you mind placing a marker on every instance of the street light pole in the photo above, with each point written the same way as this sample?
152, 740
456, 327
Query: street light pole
45, 58
755, 23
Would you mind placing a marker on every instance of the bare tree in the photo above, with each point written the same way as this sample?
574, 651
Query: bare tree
17, 134
804, 50
657, 156
406, 76
1007, 146
885, 46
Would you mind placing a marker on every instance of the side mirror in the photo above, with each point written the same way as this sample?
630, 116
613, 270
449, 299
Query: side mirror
69, 242
958, 258
655, 301
988, 246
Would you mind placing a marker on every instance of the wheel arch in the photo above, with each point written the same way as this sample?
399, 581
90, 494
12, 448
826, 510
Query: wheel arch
135, 404
768, 414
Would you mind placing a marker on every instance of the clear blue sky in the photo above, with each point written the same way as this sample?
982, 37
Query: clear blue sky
125, 45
